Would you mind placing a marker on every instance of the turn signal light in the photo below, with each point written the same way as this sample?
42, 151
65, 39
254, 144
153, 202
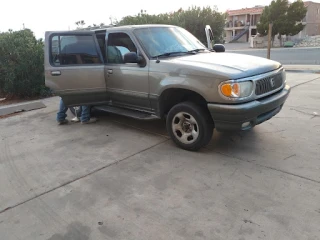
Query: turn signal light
231, 89
236, 89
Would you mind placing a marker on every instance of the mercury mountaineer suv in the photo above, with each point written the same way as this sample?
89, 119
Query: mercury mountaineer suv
162, 71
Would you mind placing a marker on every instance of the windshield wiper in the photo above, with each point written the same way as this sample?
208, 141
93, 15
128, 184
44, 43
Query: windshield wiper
171, 53
197, 50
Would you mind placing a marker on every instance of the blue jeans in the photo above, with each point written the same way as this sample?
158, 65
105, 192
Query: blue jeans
62, 114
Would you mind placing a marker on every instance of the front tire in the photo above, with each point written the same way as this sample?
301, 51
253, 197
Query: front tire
190, 126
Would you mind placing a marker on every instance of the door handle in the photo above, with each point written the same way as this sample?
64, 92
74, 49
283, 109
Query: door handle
55, 73
110, 71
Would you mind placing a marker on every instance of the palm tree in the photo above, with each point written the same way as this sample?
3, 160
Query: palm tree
80, 24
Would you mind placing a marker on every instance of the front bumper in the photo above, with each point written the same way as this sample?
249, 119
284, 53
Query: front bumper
229, 117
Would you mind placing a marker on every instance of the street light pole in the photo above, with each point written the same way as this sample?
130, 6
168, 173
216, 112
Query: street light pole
269, 40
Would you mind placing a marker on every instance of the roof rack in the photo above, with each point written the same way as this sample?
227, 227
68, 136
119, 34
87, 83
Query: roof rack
96, 28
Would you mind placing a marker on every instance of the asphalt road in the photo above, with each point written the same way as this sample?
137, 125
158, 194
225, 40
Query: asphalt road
303, 56
125, 179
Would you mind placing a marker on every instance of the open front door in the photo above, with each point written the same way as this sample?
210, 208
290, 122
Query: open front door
209, 36
74, 67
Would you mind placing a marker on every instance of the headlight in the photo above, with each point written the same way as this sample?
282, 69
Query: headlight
236, 89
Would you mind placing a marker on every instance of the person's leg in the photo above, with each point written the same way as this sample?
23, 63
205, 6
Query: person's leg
85, 115
77, 111
61, 115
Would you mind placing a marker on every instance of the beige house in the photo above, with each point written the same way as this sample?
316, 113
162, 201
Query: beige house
312, 20
241, 24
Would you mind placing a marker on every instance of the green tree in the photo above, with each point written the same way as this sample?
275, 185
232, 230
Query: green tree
275, 13
194, 20
295, 14
21, 64
285, 18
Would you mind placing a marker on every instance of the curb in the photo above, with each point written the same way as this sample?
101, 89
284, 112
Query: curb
302, 71
22, 107
302, 68
272, 49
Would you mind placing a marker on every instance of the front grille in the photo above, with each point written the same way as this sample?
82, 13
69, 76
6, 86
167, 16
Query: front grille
268, 84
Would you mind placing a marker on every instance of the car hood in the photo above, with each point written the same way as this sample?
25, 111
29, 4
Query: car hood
229, 65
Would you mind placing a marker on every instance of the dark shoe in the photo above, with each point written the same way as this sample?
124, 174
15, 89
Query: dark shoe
92, 120
65, 121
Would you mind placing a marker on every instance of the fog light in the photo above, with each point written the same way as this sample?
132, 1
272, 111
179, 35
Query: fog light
246, 124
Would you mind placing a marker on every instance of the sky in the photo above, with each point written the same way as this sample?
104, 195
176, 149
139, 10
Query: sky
56, 15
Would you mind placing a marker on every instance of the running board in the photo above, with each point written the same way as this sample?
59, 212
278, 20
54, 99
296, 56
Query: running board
126, 112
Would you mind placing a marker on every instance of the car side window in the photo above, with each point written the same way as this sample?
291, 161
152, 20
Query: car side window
74, 50
117, 46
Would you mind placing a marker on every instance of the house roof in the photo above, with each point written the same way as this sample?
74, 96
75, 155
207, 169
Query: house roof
307, 3
254, 10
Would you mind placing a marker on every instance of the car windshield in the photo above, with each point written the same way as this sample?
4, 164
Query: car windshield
159, 41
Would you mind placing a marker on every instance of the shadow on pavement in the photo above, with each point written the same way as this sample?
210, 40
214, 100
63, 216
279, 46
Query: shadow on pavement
221, 141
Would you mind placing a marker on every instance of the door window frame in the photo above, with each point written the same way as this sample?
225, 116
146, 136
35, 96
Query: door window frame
134, 41
59, 34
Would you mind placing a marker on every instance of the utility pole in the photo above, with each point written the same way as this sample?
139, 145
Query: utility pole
269, 39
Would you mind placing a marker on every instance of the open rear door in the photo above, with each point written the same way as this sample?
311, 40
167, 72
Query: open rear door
209, 35
74, 67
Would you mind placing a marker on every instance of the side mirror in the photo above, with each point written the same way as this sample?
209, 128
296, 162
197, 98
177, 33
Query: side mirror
131, 57
219, 48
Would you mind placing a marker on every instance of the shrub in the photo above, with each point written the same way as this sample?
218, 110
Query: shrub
21, 64
193, 19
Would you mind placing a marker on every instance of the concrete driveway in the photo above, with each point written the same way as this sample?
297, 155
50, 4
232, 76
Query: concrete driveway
125, 179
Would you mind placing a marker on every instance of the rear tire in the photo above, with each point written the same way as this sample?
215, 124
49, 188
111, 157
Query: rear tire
190, 126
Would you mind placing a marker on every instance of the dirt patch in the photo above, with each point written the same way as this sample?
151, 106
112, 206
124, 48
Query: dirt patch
7, 99
10, 115
12, 100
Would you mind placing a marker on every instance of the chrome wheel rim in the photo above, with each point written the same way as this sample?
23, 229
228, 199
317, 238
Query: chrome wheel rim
185, 128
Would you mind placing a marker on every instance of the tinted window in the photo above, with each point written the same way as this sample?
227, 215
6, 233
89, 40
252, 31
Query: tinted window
118, 45
70, 50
